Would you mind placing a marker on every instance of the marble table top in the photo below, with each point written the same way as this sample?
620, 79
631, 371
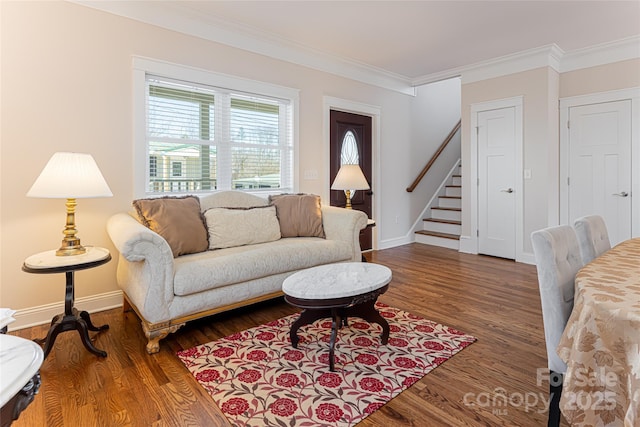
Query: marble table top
20, 360
336, 280
49, 259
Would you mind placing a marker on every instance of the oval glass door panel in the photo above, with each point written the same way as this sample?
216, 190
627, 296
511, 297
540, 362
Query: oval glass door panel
349, 152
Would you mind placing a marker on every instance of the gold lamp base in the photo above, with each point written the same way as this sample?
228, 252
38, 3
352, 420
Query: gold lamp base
347, 193
70, 244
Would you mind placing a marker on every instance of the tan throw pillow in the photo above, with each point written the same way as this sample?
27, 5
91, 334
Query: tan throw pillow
300, 215
230, 227
178, 220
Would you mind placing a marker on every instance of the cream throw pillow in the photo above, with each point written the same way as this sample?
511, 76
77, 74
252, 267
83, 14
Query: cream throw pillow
229, 227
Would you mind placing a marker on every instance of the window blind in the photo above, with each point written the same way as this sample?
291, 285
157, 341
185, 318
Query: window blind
202, 138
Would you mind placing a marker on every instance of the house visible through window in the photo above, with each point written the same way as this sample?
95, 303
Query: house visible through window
201, 138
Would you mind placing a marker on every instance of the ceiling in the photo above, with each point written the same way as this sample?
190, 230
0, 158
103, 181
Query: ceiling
404, 39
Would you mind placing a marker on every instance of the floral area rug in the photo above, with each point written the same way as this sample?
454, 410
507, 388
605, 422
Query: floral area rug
258, 379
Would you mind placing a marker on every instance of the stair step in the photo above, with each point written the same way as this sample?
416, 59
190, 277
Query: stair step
450, 226
443, 221
449, 202
443, 242
446, 213
445, 225
438, 234
453, 190
447, 209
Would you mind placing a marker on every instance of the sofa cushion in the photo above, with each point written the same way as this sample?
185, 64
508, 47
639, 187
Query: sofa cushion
178, 220
231, 199
300, 215
213, 269
229, 227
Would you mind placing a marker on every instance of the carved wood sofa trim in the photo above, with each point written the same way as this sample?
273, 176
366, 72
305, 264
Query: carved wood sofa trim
157, 331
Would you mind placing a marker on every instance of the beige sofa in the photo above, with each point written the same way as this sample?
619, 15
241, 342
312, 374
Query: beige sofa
166, 292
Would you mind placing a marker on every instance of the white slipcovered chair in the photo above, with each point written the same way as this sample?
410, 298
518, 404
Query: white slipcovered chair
592, 236
557, 260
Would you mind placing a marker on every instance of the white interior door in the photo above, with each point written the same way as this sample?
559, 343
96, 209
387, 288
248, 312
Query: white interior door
497, 182
600, 165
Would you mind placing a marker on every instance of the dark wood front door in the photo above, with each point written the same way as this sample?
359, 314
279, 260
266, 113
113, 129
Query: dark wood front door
350, 143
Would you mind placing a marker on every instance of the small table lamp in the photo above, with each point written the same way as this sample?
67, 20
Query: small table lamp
70, 176
350, 177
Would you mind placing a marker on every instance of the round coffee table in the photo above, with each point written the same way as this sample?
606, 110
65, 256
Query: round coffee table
338, 291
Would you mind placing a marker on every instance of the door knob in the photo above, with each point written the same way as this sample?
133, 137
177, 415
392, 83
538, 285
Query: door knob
508, 190
621, 194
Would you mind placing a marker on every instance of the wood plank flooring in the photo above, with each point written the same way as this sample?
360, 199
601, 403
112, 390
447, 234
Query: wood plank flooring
491, 383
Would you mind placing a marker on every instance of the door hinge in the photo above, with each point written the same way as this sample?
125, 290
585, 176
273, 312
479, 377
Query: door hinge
568, 124
567, 180
478, 233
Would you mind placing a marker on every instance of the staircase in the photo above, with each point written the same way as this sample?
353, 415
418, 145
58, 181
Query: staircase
444, 226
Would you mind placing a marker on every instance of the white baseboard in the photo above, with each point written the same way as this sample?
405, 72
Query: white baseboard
40, 315
468, 245
527, 258
392, 243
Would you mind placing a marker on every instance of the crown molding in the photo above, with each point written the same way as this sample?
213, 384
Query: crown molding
605, 53
544, 56
180, 18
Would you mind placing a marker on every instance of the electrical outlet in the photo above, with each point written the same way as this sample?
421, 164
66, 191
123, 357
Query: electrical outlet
397, 218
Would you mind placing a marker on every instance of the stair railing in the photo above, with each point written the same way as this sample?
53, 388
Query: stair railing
434, 157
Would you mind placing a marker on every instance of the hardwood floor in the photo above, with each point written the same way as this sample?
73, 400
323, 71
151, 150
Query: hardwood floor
491, 383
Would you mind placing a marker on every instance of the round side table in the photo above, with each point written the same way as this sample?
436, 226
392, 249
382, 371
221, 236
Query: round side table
48, 262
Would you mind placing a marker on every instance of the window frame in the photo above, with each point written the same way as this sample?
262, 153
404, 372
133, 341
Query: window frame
145, 66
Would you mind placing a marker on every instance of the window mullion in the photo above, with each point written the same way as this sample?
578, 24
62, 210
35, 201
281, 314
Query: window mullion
205, 150
284, 143
222, 131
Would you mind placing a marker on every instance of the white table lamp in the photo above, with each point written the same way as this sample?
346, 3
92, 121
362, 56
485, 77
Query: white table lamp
350, 178
70, 176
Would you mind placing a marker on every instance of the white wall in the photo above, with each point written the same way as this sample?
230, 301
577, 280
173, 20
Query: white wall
434, 112
66, 79
541, 89
540, 141
603, 78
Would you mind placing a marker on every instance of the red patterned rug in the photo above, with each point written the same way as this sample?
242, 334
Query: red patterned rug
258, 379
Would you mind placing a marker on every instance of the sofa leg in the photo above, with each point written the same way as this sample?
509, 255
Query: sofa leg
155, 333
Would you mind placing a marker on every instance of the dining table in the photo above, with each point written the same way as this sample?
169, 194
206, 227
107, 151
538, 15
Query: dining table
601, 342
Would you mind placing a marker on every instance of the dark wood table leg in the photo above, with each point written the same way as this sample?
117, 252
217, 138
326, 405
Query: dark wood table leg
368, 312
336, 323
72, 319
307, 317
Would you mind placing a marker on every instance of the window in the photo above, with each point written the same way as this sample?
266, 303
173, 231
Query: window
176, 169
153, 166
199, 137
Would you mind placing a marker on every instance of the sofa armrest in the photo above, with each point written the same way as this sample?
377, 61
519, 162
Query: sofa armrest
145, 266
344, 225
